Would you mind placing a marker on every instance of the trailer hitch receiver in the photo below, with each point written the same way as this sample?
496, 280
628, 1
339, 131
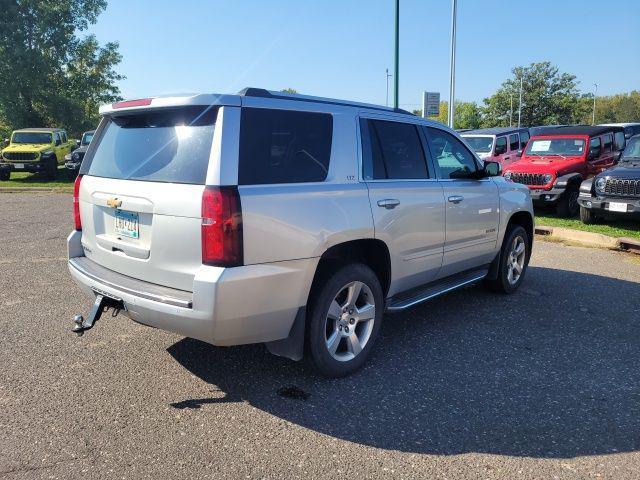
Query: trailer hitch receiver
101, 305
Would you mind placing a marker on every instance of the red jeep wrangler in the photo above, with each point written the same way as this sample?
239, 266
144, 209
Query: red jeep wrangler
555, 162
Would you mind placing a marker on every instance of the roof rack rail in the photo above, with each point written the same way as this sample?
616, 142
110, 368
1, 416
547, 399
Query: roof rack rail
264, 93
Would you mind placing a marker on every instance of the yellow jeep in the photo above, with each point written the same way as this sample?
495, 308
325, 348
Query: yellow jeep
35, 150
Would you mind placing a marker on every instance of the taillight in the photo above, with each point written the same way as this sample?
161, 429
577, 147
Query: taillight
76, 203
141, 102
221, 227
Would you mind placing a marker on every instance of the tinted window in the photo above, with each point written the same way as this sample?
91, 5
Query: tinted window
64, 136
167, 145
283, 146
514, 142
524, 138
501, 145
607, 141
56, 138
594, 144
618, 140
86, 138
392, 150
451, 157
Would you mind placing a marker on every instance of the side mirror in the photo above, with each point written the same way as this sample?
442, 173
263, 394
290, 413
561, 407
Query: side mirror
77, 143
492, 169
5, 143
519, 154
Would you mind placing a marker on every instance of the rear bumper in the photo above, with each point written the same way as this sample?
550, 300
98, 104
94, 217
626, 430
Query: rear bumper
232, 306
546, 197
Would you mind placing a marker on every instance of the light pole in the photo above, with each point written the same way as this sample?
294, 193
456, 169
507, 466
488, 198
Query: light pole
396, 72
452, 65
511, 111
388, 75
520, 102
595, 92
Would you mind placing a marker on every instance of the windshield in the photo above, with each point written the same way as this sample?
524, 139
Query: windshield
168, 145
632, 152
86, 138
31, 137
562, 147
480, 144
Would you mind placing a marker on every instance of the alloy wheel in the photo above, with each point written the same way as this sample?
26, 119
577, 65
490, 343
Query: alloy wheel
350, 321
516, 259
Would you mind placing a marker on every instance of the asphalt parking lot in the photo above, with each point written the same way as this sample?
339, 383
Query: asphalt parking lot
541, 384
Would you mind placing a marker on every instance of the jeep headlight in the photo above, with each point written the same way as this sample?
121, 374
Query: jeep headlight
601, 182
547, 178
507, 176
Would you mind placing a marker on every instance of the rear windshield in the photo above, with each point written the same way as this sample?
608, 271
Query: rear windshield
31, 137
168, 145
566, 147
479, 144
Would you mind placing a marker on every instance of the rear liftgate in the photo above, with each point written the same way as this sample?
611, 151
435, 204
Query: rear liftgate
101, 305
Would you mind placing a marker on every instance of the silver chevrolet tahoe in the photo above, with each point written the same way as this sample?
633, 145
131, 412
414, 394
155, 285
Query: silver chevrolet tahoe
288, 220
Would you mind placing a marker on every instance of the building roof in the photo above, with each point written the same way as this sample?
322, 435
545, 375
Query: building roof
494, 131
590, 130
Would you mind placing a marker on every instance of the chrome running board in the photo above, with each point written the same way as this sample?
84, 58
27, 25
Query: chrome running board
418, 295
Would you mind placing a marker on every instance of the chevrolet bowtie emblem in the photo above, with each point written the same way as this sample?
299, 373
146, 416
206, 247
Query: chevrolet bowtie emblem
114, 203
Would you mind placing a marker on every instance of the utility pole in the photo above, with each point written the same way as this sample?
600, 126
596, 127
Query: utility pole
593, 116
396, 73
511, 111
388, 75
520, 102
452, 65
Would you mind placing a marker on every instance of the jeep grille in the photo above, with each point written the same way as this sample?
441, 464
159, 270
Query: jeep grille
528, 178
622, 188
20, 155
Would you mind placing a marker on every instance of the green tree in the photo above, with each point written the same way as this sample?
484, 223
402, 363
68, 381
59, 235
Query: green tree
622, 107
49, 76
289, 90
548, 97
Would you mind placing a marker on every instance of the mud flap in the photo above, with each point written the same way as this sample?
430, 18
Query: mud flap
291, 347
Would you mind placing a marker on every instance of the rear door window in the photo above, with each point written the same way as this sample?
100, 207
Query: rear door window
163, 145
392, 151
607, 142
284, 146
514, 142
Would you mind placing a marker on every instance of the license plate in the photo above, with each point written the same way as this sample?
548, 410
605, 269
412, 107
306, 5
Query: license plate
617, 207
127, 224
18, 165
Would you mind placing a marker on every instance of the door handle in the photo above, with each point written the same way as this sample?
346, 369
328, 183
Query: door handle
389, 203
455, 198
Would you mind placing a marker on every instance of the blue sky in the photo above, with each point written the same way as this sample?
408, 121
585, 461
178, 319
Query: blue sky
341, 48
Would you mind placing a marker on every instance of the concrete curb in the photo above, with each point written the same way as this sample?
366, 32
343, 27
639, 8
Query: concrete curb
589, 238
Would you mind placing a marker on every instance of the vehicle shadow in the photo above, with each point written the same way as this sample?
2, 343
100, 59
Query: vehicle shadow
540, 373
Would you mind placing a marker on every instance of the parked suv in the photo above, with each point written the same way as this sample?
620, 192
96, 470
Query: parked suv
503, 145
74, 159
35, 150
285, 219
615, 191
555, 163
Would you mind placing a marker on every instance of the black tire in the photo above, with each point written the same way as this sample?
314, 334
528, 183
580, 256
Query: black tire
320, 328
52, 169
568, 205
587, 216
502, 283
5, 175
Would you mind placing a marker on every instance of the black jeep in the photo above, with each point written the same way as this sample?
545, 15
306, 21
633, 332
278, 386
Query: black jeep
615, 191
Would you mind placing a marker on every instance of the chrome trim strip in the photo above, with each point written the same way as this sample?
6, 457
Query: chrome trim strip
178, 302
429, 296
